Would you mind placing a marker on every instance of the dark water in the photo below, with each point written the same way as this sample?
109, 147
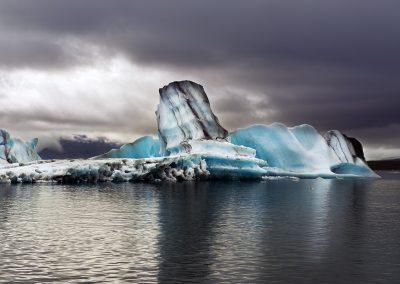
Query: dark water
280, 231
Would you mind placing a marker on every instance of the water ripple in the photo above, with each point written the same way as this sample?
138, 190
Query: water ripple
243, 232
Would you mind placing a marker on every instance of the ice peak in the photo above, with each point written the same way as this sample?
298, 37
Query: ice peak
184, 113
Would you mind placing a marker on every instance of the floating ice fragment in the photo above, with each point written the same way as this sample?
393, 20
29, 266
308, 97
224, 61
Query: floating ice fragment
14, 150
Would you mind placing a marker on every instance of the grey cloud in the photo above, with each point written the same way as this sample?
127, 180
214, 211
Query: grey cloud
42, 120
22, 52
185, 32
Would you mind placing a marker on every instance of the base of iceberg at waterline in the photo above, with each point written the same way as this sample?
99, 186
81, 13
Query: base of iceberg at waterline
171, 168
185, 167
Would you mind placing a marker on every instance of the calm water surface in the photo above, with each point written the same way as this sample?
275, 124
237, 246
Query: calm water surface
282, 231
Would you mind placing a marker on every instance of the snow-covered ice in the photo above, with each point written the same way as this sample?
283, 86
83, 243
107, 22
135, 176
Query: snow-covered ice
171, 168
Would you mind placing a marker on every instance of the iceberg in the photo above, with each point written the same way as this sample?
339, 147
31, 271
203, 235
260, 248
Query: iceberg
191, 145
302, 151
187, 125
14, 150
144, 147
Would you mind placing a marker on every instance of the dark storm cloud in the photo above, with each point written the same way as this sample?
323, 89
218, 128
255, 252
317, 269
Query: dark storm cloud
79, 146
20, 52
186, 32
332, 64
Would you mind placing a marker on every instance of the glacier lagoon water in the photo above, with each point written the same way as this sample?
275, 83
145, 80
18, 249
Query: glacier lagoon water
286, 231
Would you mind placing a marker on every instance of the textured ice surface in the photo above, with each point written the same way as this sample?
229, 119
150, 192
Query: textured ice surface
13, 150
184, 114
347, 149
173, 168
144, 147
212, 147
301, 151
3, 158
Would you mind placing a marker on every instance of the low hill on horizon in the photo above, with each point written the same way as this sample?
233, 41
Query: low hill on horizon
385, 165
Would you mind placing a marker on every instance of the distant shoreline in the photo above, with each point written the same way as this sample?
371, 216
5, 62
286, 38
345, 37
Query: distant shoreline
385, 165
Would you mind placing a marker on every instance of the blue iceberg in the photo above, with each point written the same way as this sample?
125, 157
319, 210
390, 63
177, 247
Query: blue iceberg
144, 147
192, 144
302, 151
187, 126
14, 150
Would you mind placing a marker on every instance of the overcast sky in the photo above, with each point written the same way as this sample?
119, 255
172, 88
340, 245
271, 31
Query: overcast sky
73, 67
